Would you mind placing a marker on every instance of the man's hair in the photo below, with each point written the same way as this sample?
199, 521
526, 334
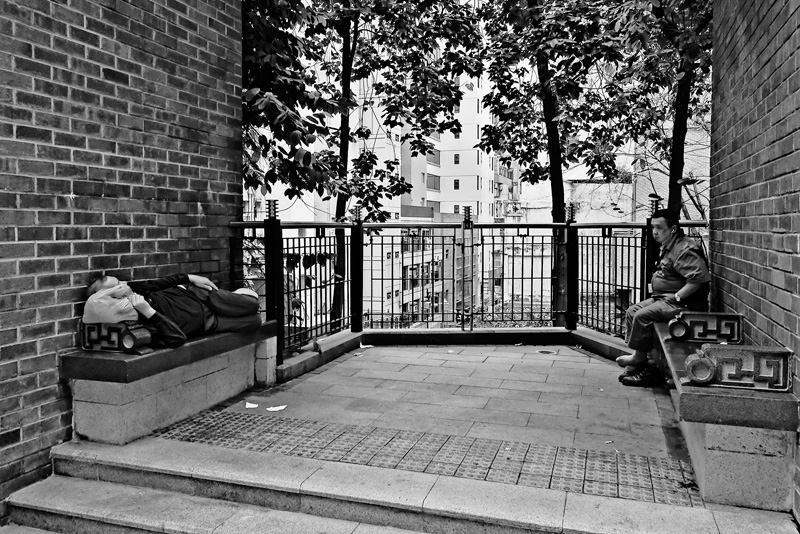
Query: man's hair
96, 284
670, 216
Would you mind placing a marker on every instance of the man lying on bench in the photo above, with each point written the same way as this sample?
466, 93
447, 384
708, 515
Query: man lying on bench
173, 308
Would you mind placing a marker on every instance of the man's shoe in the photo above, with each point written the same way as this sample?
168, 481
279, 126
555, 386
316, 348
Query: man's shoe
630, 370
648, 376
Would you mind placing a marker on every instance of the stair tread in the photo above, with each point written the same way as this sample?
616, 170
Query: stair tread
19, 529
160, 511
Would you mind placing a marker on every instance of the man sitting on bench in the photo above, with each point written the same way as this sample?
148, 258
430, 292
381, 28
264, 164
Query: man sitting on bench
173, 308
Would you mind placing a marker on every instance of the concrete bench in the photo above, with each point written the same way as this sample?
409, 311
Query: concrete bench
119, 397
741, 441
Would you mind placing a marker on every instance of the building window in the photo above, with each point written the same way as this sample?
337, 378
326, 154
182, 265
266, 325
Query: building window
457, 108
433, 182
457, 135
433, 157
456, 159
396, 137
388, 295
456, 184
479, 182
388, 255
455, 209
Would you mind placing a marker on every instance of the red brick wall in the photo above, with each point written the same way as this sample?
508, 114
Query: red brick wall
119, 151
755, 170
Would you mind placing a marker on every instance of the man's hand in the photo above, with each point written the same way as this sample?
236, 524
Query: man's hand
202, 282
141, 305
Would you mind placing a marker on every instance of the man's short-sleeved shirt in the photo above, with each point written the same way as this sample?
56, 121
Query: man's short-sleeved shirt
681, 261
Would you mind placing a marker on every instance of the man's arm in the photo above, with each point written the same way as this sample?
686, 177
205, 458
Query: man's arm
169, 334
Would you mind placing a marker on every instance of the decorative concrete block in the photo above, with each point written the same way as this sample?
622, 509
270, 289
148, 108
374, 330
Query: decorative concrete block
266, 361
745, 440
750, 480
207, 366
117, 425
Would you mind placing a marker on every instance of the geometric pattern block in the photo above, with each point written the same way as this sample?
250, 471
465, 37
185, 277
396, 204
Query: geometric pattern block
705, 327
748, 366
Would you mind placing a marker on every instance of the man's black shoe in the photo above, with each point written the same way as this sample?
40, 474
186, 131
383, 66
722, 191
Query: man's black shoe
649, 376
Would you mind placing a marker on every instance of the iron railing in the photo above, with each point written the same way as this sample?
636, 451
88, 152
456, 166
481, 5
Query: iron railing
317, 279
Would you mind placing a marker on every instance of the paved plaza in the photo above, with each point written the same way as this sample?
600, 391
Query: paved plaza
544, 416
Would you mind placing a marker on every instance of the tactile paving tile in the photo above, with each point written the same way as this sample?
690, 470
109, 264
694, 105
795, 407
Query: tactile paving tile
601, 476
637, 470
636, 493
357, 457
473, 471
529, 468
500, 475
680, 498
481, 461
666, 484
507, 465
441, 468
670, 474
567, 468
593, 487
632, 459
534, 481
571, 452
566, 484
413, 464
568, 472
330, 454
385, 461
512, 450
600, 465
305, 451
664, 463
634, 479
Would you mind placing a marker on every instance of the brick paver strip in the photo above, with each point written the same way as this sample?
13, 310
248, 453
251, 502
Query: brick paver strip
626, 476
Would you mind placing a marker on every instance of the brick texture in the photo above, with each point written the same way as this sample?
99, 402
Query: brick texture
755, 170
119, 151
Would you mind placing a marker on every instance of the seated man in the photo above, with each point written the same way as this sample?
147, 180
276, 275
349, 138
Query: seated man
680, 282
173, 308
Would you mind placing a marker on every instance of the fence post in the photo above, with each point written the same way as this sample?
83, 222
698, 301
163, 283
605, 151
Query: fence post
357, 274
573, 271
274, 284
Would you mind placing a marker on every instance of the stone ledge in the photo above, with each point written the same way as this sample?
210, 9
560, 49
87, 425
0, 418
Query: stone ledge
125, 368
735, 407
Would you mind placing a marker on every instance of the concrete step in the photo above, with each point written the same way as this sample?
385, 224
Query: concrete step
77, 506
420, 502
18, 529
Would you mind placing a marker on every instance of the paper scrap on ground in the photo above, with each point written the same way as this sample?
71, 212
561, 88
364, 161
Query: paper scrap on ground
276, 408
609, 441
365, 346
250, 405
517, 344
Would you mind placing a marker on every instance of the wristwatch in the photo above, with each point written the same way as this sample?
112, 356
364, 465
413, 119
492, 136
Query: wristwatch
677, 298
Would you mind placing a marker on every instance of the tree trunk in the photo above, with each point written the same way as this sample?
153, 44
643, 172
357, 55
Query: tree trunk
550, 110
679, 129
339, 266
560, 301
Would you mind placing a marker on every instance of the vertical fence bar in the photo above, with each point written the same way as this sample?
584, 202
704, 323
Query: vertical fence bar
357, 274
273, 273
573, 261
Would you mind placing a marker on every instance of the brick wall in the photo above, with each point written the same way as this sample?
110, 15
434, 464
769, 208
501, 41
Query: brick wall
755, 170
119, 151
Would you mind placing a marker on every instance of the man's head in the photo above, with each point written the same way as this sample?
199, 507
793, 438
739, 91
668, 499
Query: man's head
665, 225
107, 282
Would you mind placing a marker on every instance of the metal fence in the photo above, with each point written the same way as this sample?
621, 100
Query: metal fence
320, 278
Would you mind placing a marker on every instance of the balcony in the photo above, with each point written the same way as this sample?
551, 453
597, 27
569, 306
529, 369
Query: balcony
323, 278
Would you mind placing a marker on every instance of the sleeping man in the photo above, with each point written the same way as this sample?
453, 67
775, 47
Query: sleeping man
174, 308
